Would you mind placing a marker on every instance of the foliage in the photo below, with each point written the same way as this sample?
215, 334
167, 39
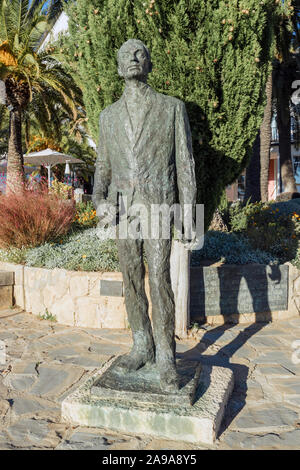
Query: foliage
240, 214
80, 251
265, 232
271, 231
64, 134
13, 255
85, 215
270, 227
231, 249
48, 316
61, 190
22, 24
215, 55
29, 218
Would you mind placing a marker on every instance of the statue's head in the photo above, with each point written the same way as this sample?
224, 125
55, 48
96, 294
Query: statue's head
134, 60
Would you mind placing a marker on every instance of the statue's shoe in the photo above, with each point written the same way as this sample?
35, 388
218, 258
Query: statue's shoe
134, 360
169, 380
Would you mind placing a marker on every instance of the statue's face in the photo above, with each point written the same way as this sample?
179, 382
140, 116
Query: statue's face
133, 61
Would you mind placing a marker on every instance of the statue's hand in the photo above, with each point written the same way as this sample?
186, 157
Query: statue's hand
106, 213
189, 236
189, 244
194, 242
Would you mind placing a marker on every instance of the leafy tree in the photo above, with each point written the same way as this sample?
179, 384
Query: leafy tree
32, 78
213, 54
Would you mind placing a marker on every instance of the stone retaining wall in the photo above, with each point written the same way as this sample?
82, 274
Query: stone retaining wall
80, 298
244, 294
73, 297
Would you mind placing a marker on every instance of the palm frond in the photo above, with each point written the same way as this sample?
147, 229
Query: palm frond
3, 25
54, 9
35, 6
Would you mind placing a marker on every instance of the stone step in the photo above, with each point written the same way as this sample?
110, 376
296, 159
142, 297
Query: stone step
6, 289
9, 312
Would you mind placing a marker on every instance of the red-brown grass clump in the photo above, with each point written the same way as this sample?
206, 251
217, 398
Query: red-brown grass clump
31, 218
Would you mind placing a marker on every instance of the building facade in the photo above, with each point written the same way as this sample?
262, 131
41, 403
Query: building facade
237, 190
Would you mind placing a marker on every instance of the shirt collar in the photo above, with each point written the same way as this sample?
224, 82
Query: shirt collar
143, 92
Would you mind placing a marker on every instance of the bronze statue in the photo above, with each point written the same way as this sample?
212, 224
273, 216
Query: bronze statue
145, 154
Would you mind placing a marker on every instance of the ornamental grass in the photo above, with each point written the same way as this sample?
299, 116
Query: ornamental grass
30, 218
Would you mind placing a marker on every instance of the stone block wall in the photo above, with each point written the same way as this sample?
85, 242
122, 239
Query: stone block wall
244, 294
77, 298
6, 289
72, 297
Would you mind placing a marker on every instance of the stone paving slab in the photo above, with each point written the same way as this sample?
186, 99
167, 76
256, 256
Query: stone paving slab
46, 361
263, 418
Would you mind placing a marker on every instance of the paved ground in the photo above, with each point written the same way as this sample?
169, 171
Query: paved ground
44, 361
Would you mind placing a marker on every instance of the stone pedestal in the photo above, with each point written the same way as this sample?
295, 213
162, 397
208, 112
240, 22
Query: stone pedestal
193, 414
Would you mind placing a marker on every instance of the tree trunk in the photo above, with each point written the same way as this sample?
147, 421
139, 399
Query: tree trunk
252, 190
257, 173
284, 130
265, 142
15, 178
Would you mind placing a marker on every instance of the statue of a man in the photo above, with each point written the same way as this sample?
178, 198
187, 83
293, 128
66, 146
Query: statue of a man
145, 154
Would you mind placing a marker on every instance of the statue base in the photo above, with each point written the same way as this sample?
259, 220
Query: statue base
133, 402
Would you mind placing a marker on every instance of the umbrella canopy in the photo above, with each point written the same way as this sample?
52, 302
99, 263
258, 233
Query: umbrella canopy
49, 157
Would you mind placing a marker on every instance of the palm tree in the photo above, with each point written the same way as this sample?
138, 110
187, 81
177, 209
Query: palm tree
257, 172
278, 90
3, 133
265, 142
285, 74
32, 78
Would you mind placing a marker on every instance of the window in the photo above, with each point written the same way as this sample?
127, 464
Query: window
296, 165
241, 187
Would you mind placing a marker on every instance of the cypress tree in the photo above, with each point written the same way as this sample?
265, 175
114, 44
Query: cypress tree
215, 55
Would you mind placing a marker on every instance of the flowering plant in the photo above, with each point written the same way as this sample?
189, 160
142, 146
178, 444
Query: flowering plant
85, 215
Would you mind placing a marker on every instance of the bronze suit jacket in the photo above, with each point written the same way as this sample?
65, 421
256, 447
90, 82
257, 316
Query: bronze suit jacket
153, 164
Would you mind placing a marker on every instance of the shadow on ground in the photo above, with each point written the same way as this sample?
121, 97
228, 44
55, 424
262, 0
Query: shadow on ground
237, 335
222, 358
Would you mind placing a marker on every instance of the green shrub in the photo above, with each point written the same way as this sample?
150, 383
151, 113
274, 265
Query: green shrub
13, 255
270, 231
230, 248
269, 227
61, 190
81, 251
239, 214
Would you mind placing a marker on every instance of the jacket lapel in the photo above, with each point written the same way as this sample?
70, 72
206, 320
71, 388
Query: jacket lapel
144, 116
125, 125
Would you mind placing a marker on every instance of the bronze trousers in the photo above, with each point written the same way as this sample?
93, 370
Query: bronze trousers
162, 298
